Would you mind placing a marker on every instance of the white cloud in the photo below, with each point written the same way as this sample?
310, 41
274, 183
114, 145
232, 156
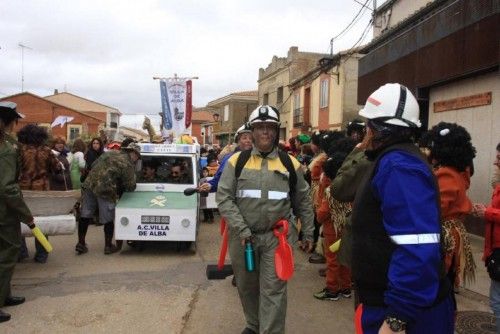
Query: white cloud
110, 50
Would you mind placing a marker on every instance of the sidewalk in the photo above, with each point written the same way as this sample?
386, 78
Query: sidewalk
474, 313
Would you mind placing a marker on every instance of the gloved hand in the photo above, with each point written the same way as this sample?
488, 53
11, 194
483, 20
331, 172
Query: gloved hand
31, 224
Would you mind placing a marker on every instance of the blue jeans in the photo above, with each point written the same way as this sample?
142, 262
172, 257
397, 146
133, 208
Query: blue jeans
41, 254
495, 300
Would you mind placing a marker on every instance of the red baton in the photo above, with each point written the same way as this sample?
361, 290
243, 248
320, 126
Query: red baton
223, 248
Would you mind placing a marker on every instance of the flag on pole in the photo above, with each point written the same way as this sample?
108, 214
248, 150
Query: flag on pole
165, 106
61, 120
189, 103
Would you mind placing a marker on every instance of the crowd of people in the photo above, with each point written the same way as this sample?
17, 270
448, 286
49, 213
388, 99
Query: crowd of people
382, 205
392, 196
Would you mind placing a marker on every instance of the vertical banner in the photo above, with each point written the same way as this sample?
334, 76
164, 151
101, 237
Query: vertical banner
165, 106
189, 104
177, 98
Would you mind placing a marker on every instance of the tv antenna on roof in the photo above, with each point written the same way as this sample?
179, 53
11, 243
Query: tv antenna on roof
22, 46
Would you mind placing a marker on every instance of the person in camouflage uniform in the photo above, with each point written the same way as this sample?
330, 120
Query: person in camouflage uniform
111, 175
13, 209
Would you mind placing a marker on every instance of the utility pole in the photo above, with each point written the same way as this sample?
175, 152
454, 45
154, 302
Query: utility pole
22, 46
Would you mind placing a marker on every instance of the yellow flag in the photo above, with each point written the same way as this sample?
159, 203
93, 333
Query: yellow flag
41, 238
335, 246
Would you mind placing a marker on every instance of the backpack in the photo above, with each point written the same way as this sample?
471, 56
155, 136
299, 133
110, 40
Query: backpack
284, 158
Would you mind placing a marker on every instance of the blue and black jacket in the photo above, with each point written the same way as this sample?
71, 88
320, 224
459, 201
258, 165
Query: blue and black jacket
214, 182
397, 255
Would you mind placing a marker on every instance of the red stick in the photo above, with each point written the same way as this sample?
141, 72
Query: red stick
223, 250
222, 225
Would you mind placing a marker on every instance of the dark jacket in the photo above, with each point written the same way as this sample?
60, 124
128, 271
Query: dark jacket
61, 178
111, 175
13, 209
397, 258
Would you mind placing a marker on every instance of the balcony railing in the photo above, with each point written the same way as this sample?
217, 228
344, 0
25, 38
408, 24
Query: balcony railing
298, 117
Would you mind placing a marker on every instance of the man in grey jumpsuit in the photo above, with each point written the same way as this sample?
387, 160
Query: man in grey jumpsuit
251, 205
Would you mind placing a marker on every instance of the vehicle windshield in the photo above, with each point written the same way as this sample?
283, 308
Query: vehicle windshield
166, 169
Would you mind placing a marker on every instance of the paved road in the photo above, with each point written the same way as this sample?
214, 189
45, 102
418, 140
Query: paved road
158, 290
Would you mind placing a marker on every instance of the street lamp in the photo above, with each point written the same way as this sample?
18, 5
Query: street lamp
216, 117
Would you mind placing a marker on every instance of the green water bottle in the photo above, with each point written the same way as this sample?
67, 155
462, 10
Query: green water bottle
249, 256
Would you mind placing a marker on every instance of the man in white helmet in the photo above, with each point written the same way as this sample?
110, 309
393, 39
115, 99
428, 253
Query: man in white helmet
255, 191
397, 262
243, 138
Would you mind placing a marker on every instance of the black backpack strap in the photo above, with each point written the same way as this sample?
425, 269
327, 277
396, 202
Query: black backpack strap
284, 158
240, 163
287, 162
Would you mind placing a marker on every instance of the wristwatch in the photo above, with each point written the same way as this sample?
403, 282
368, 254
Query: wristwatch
395, 324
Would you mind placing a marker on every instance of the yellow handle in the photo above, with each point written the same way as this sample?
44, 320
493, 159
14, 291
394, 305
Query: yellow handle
335, 246
41, 238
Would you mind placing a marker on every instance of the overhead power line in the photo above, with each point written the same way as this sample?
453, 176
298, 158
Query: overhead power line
364, 5
352, 50
355, 19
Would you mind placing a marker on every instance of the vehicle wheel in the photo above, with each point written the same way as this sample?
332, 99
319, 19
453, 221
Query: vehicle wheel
139, 245
193, 247
189, 246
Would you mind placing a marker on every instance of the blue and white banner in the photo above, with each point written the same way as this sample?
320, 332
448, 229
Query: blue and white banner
173, 101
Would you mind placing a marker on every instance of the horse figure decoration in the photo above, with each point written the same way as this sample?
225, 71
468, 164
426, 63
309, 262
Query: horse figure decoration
153, 137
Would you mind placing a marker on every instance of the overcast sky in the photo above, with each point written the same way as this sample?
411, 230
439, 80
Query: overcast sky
108, 51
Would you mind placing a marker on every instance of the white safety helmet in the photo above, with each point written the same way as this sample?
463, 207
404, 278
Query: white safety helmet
393, 104
264, 113
245, 128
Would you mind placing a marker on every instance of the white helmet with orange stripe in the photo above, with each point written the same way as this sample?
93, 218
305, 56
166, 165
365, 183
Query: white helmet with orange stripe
393, 104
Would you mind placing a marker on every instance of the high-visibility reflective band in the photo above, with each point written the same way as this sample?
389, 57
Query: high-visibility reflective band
277, 195
415, 239
249, 193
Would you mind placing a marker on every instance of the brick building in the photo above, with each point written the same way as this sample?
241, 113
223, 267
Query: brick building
41, 111
200, 117
109, 115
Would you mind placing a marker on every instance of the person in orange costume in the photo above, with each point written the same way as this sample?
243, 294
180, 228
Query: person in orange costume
451, 153
321, 142
332, 215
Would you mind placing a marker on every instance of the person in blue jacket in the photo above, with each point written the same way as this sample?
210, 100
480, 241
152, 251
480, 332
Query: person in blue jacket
243, 138
397, 260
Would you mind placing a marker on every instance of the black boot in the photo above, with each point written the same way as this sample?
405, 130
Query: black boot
4, 316
83, 226
109, 248
13, 301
